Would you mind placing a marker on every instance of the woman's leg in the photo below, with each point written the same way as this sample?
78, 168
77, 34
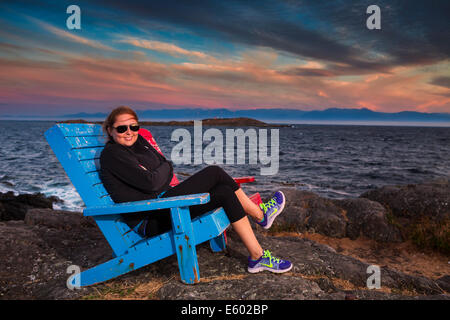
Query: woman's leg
225, 192
205, 179
245, 232
251, 208
224, 195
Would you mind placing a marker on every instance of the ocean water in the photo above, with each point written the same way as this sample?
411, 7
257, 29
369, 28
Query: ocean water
336, 161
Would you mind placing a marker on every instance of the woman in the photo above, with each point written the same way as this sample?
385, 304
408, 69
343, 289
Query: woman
132, 170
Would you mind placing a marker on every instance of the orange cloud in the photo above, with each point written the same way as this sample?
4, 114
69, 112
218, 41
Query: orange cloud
164, 47
70, 35
232, 81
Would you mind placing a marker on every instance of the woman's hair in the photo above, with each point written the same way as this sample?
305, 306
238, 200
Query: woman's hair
111, 119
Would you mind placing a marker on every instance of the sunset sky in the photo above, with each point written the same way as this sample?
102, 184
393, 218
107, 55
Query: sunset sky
307, 55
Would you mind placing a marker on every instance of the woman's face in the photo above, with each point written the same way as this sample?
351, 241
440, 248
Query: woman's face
129, 137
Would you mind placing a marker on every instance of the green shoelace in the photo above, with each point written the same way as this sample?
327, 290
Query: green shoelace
266, 206
268, 254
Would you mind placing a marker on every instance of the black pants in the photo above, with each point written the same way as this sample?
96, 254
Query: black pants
212, 179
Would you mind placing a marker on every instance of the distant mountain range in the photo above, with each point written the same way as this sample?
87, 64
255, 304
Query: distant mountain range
332, 114
266, 115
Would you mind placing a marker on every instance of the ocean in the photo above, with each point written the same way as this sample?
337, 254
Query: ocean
336, 161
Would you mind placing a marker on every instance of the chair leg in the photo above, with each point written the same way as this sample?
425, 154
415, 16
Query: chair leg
185, 245
115, 267
218, 244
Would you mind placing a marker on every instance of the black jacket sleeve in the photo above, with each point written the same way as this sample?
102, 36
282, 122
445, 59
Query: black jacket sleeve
121, 163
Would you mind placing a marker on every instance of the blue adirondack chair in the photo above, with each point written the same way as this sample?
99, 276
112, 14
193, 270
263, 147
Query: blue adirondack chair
78, 148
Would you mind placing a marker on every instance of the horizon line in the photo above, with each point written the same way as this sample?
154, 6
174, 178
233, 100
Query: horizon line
231, 110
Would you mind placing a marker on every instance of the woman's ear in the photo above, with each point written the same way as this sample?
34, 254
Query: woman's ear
110, 136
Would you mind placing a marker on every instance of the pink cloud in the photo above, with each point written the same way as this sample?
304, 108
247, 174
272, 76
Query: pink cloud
164, 47
210, 82
70, 35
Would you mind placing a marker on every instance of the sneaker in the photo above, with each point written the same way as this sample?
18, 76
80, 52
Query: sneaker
272, 209
269, 263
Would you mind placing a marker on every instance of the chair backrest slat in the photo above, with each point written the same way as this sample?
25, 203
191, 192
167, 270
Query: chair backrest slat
88, 153
81, 130
94, 177
78, 148
86, 142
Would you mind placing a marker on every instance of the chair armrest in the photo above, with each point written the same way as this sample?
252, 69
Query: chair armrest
240, 180
148, 205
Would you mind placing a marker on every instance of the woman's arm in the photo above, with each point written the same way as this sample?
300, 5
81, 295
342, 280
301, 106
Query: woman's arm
124, 166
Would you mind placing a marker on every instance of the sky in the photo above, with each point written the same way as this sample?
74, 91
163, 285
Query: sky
306, 55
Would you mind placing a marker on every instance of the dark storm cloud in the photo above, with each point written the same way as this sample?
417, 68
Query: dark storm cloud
413, 32
441, 81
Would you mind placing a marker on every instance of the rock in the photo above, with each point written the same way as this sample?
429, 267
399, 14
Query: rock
444, 282
420, 211
295, 213
36, 252
317, 274
249, 287
306, 211
58, 219
325, 218
350, 296
413, 201
367, 218
14, 207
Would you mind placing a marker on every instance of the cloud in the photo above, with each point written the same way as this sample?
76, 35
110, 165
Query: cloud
69, 35
412, 33
295, 54
164, 47
441, 81
308, 72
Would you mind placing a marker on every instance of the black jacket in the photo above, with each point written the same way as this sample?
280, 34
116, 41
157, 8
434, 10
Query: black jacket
138, 172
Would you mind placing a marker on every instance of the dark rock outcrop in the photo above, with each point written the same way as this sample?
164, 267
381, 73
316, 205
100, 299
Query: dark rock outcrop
414, 201
306, 211
14, 207
421, 212
368, 218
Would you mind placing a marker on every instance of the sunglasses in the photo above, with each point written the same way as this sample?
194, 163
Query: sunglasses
124, 128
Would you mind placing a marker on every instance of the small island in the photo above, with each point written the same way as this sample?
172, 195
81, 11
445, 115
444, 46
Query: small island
229, 122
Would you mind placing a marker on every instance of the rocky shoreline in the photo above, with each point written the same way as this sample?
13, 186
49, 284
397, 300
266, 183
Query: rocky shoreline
402, 229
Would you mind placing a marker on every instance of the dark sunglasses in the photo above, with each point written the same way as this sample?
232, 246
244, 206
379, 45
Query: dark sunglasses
124, 128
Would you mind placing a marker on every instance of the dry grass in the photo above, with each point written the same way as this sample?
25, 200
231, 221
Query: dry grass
124, 290
404, 257
219, 278
346, 285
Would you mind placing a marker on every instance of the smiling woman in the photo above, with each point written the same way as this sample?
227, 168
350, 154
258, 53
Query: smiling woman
119, 117
132, 170
122, 126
